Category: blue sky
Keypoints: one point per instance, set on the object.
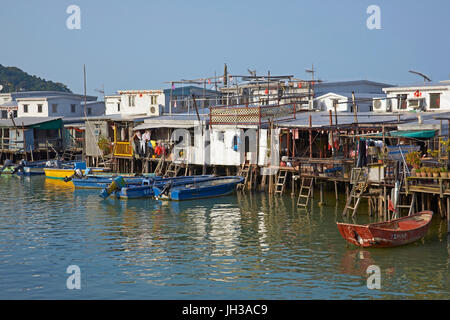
(142, 44)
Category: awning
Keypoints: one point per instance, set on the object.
(423, 134)
(49, 125)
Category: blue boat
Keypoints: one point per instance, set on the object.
(213, 187)
(145, 190)
(104, 181)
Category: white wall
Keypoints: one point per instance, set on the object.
(444, 99)
(111, 105)
(63, 107)
(142, 103)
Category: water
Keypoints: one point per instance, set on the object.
(236, 247)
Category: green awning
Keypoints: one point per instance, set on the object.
(49, 125)
(423, 134)
(418, 134)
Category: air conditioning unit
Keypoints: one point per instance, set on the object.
(382, 105)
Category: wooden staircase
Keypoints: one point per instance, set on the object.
(305, 193)
(281, 181)
(359, 187)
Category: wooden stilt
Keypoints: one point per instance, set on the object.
(321, 202)
(448, 215)
(336, 191)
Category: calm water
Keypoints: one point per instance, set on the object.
(236, 247)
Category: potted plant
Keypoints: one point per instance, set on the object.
(416, 172)
(424, 172)
(413, 159)
(444, 172)
(435, 172)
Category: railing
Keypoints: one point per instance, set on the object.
(123, 149)
(252, 114)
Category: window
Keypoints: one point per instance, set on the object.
(401, 98)
(39, 108)
(414, 103)
(72, 108)
(118, 107)
(54, 108)
(15, 113)
(4, 114)
(89, 111)
(25, 108)
(131, 100)
(435, 100)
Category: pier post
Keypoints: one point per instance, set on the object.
(448, 215)
(336, 190)
(321, 202)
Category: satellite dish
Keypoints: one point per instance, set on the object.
(1, 87)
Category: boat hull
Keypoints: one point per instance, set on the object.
(55, 173)
(103, 182)
(204, 189)
(387, 234)
(146, 191)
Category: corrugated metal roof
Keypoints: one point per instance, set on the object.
(322, 119)
(26, 121)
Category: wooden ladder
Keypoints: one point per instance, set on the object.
(281, 181)
(359, 187)
(410, 205)
(244, 171)
(303, 199)
(159, 167)
(172, 170)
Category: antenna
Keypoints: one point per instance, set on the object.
(312, 71)
(425, 77)
(252, 72)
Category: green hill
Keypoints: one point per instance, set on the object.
(13, 79)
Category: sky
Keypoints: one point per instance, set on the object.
(146, 44)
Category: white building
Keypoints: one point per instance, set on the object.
(59, 106)
(136, 102)
(418, 98)
(329, 93)
(344, 102)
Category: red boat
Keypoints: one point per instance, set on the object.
(387, 234)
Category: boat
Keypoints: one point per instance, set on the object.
(391, 233)
(100, 181)
(145, 190)
(213, 187)
(64, 171)
(26, 168)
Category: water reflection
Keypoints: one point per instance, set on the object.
(249, 246)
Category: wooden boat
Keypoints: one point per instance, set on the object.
(145, 190)
(100, 181)
(214, 187)
(387, 234)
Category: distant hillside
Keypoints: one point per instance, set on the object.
(13, 79)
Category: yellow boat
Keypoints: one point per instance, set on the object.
(55, 173)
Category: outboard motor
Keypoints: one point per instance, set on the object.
(166, 189)
(20, 167)
(78, 174)
(6, 164)
(117, 183)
